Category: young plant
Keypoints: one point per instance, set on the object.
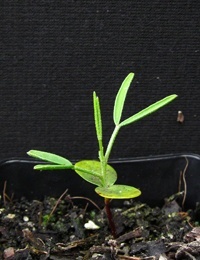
(99, 172)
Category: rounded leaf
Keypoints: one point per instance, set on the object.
(90, 170)
(118, 192)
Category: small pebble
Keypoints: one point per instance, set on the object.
(97, 256)
(10, 216)
(2, 210)
(9, 253)
(26, 219)
(91, 225)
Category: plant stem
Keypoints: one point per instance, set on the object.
(111, 142)
(109, 216)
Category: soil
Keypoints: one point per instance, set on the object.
(55, 229)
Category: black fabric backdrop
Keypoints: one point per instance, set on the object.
(53, 54)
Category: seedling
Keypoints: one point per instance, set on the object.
(99, 172)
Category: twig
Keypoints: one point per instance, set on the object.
(85, 198)
(5, 196)
(4, 192)
(180, 181)
(103, 249)
(58, 201)
(124, 257)
(184, 182)
(132, 234)
(84, 210)
(182, 178)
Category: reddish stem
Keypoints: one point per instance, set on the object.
(110, 217)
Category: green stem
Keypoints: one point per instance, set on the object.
(102, 159)
(111, 142)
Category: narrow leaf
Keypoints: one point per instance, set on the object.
(150, 109)
(97, 116)
(49, 157)
(118, 192)
(120, 98)
(46, 167)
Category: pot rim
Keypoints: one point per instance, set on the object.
(116, 160)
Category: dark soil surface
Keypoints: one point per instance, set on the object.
(28, 230)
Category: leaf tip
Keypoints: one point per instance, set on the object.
(29, 152)
(131, 75)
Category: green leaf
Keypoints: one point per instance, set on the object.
(111, 175)
(90, 171)
(97, 116)
(46, 167)
(118, 192)
(50, 157)
(150, 109)
(120, 98)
